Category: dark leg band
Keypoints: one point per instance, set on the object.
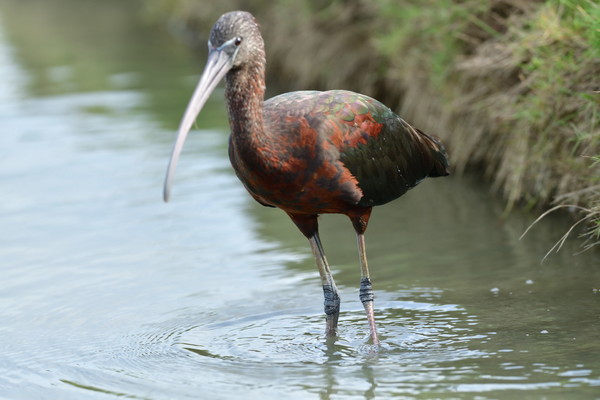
(366, 290)
(332, 300)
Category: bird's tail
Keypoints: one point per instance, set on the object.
(441, 164)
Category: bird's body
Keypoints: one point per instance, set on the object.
(329, 152)
(310, 152)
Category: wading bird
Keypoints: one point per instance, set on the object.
(309, 152)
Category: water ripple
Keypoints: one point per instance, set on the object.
(296, 336)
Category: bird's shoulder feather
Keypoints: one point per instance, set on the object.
(369, 148)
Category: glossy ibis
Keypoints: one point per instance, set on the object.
(309, 152)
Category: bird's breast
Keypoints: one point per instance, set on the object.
(294, 170)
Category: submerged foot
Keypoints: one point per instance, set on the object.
(371, 318)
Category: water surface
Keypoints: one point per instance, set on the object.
(107, 292)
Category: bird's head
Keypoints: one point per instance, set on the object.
(237, 35)
(234, 42)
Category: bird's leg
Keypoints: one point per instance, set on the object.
(332, 298)
(366, 290)
(360, 221)
(308, 225)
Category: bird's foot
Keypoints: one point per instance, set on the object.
(371, 318)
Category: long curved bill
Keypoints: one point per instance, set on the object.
(219, 62)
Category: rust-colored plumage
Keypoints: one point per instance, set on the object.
(310, 152)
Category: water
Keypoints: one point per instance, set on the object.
(107, 292)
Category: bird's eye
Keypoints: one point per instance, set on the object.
(237, 41)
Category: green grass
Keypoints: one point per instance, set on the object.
(529, 78)
(562, 52)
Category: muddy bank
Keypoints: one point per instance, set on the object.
(510, 85)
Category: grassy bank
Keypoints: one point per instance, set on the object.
(510, 85)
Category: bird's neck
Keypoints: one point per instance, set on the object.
(244, 92)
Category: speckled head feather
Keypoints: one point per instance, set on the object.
(242, 25)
